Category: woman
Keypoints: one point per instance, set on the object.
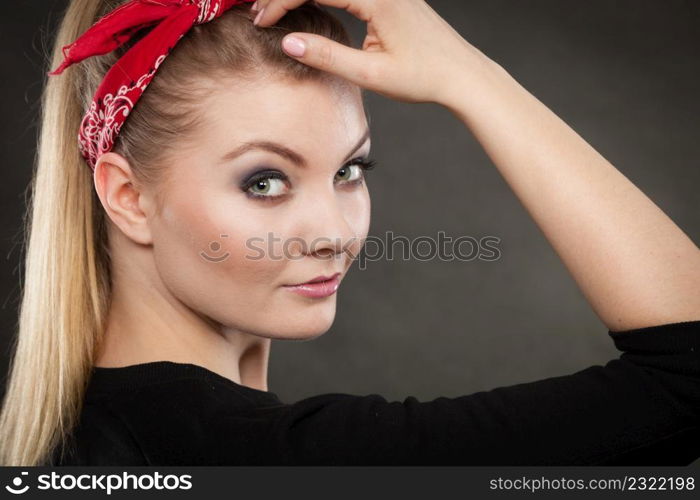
(153, 286)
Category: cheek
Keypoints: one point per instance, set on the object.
(202, 249)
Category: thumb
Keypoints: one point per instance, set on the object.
(327, 55)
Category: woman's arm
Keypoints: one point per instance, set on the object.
(634, 265)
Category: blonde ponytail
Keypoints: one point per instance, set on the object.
(63, 297)
(66, 294)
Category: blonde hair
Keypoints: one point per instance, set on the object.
(66, 293)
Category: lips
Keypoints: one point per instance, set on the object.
(318, 287)
(318, 279)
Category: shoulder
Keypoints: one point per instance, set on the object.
(180, 421)
(183, 415)
(100, 438)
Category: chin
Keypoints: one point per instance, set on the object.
(302, 336)
(306, 325)
(311, 331)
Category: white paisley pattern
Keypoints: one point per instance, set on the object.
(101, 125)
(207, 11)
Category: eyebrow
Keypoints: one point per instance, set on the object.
(284, 151)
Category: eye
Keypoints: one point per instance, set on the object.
(266, 185)
(353, 172)
(349, 173)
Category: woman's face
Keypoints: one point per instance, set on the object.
(272, 195)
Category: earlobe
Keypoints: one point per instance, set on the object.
(121, 197)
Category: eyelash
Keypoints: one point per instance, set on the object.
(365, 165)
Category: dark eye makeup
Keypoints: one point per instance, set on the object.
(262, 178)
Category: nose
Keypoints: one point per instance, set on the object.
(329, 227)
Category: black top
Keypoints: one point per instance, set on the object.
(641, 408)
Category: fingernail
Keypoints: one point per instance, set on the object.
(294, 46)
(255, 6)
(258, 17)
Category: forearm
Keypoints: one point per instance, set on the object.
(633, 264)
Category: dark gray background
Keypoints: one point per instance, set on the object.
(623, 74)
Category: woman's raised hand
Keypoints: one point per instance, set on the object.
(409, 54)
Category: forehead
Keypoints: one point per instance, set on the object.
(301, 113)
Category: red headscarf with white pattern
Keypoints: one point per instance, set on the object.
(126, 81)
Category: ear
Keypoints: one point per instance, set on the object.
(126, 204)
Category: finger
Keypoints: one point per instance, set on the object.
(357, 66)
(274, 10)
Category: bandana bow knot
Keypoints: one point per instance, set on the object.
(126, 81)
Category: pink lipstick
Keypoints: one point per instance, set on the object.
(319, 287)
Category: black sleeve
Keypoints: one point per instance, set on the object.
(100, 438)
(640, 408)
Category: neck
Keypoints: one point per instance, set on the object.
(146, 323)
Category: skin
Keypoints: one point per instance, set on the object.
(170, 301)
(635, 267)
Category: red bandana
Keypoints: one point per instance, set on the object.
(126, 81)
